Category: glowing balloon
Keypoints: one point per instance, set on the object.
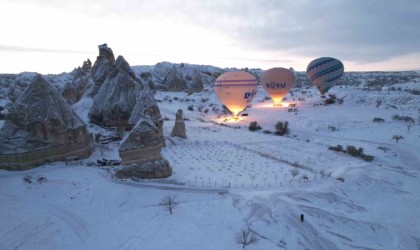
(323, 72)
(236, 89)
(277, 82)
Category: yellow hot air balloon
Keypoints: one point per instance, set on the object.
(277, 82)
(235, 90)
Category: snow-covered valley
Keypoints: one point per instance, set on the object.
(227, 178)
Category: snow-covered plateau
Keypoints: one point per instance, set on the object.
(227, 178)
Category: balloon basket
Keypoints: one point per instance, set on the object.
(231, 119)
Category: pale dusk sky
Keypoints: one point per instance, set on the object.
(50, 36)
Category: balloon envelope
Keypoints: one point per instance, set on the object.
(277, 82)
(236, 89)
(324, 71)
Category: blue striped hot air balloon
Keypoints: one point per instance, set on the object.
(324, 71)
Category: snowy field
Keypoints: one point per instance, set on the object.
(227, 178)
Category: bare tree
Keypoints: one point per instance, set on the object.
(169, 202)
(397, 138)
(246, 237)
(102, 148)
(294, 172)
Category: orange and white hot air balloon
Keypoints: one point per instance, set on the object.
(277, 82)
(235, 90)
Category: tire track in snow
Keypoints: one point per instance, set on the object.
(46, 209)
(77, 225)
(134, 241)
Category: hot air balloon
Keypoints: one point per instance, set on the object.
(324, 71)
(277, 82)
(235, 90)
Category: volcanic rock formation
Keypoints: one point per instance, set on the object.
(81, 84)
(179, 127)
(174, 81)
(40, 127)
(196, 84)
(116, 97)
(146, 79)
(140, 152)
(102, 66)
(146, 106)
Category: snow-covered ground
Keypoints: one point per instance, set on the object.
(227, 178)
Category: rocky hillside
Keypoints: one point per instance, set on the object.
(158, 76)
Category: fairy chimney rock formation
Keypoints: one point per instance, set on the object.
(179, 127)
(40, 127)
(146, 106)
(82, 83)
(140, 152)
(116, 98)
(87, 66)
(174, 80)
(196, 84)
(102, 66)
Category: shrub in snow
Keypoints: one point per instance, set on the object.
(367, 158)
(27, 179)
(397, 138)
(332, 99)
(41, 179)
(246, 237)
(191, 108)
(282, 128)
(407, 119)
(329, 101)
(353, 151)
(340, 179)
(337, 148)
(332, 128)
(253, 126)
(378, 120)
